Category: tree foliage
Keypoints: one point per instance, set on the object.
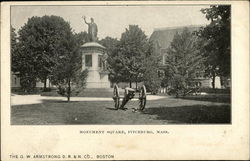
(216, 39)
(151, 78)
(47, 48)
(41, 40)
(67, 73)
(81, 37)
(183, 62)
(110, 44)
(14, 55)
(20, 65)
(127, 62)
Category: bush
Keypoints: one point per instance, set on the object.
(46, 90)
(153, 84)
(28, 84)
(179, 86)
(62, 90)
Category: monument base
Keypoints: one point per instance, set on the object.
(92, 60)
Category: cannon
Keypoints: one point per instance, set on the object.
(129, 94)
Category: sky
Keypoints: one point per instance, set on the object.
(113, 20)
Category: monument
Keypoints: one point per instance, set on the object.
(94, 58)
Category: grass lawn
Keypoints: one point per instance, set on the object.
(162, 111)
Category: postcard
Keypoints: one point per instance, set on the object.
(131, 80)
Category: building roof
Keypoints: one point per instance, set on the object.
(92, 44)
(164, 36)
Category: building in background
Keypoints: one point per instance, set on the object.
(15, 82)
(162, 38)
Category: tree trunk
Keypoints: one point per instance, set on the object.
(136, 85)
(45, 83)
(177, 94)
(69, 90)
(130, 84)
(213, 81)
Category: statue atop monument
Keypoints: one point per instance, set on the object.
(92, 29)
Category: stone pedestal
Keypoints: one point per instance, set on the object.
(92, 53)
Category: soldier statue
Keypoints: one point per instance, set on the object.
(92, 29)
(104, 61)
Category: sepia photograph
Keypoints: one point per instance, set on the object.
(125, 80)
(121, 64)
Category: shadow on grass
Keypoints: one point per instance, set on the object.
(197, 114)
(210, 98)
(57, 101)
(108, 108)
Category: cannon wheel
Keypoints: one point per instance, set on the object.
(116, 97)
(142, 98)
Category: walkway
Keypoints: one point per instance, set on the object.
(37, 99)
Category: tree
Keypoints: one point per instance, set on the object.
(27, 80)
(151, 78)
(67, 73)
(216, 38)
(21, 64)
(128, 59)
(40, 43)
(111, 45)
(13, 37)
(183, 62)
(81, 37)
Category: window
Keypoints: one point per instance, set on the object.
(88, 60)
